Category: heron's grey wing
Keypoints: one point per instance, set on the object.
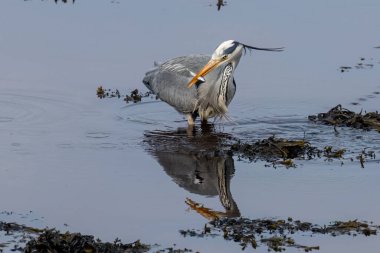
(169, 81)
(187, 66)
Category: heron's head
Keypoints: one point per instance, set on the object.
(228, 51)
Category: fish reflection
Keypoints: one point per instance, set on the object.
(195, 163)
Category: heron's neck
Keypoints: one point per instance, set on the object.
(226, 75)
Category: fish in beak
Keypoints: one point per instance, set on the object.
(212, 64)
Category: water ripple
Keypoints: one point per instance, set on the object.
(28, 110)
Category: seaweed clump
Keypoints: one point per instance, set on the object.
(134, 96)
(279, 151)
(352, 227)
(254, 233)
(18, 234)
(339, 116)
(276, 234)
(272, 149)
(330, 152)
(34, 240)
(54, 241)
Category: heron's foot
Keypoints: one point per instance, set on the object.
(204, 211)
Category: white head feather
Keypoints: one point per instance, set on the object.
(219, 51)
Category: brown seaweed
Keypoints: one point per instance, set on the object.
(275, 150)
(134, 96)
(276, 234)
(339, 116)
(55, 241)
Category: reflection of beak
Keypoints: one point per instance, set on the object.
(212, 64)
(204, 211)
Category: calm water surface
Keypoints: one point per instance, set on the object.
(116, 170)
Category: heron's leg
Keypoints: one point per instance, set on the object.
(204, 122)
(190, 119)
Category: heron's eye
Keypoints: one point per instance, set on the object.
(224, 57)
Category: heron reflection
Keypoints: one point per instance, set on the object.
(195, 164)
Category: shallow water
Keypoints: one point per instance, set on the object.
(114, 170)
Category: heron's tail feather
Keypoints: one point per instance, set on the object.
(148, 78)
(157, 63)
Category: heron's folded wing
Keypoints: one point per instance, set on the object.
(169, 81)
(186, 66)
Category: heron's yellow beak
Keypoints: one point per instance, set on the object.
(212, 64)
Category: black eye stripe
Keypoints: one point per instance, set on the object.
(231, 48)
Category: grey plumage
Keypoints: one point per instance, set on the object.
(173, 81)
(169, 81)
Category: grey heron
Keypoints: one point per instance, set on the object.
(199, 85)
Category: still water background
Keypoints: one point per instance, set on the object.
(74, 159)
